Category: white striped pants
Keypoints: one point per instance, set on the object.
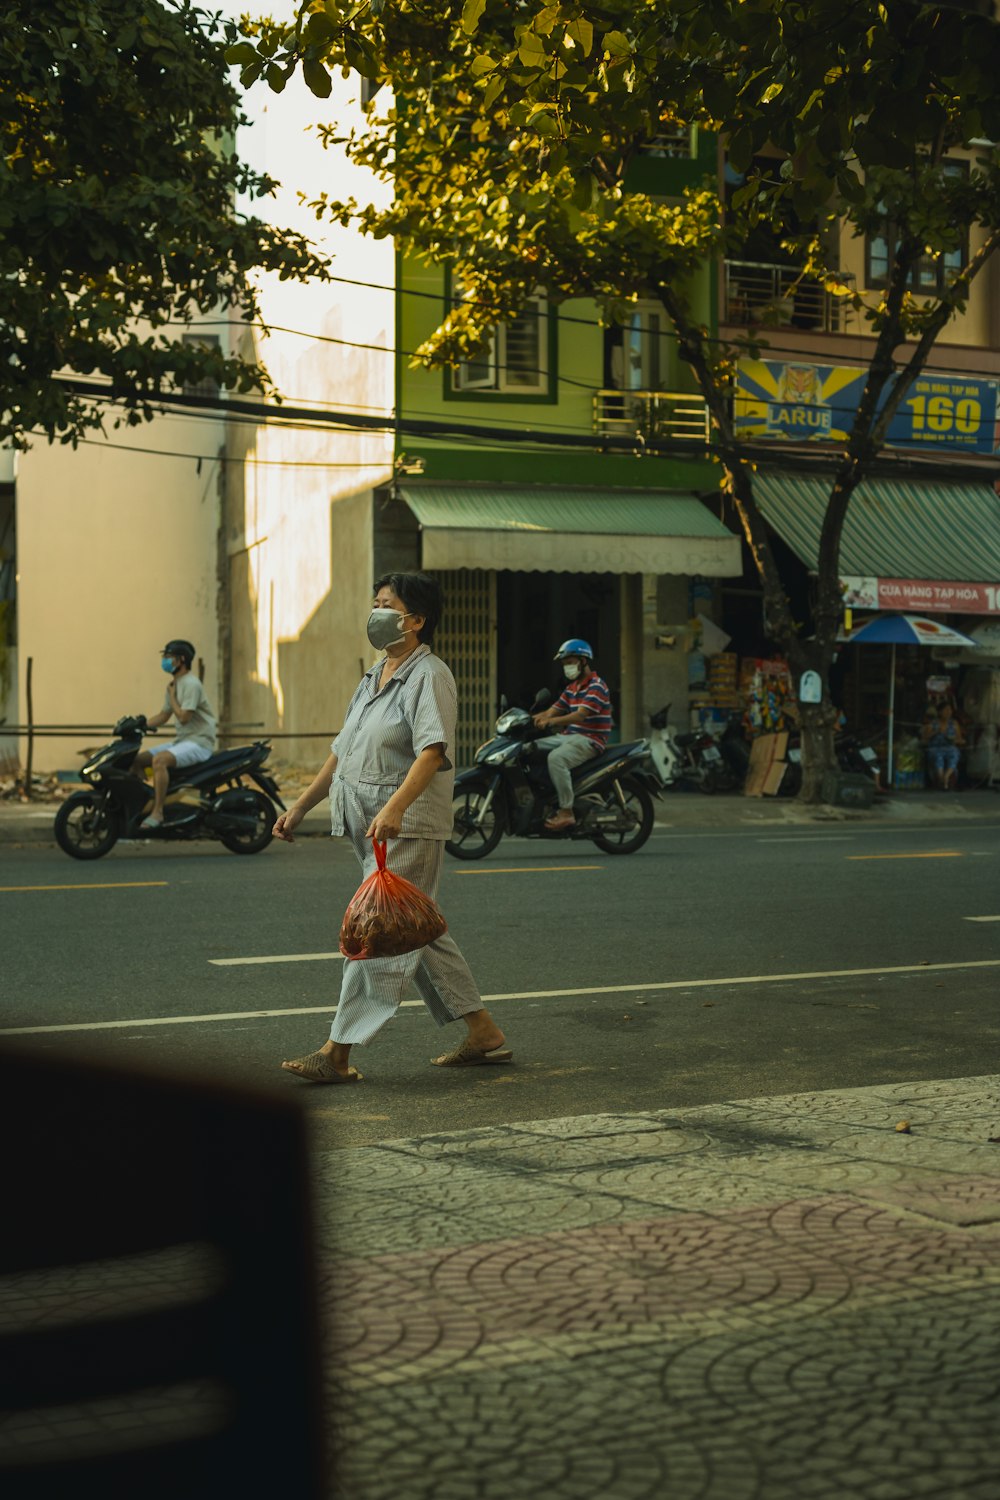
(372, 988)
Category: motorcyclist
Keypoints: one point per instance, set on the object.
(194, 739)
(582, 717)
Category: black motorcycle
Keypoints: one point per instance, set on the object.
(852, 754)
(508, 791)
(696, 757)
(208, 801)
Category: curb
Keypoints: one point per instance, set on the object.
(32, 823)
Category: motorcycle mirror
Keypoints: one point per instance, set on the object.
(542, 700)
(504, 705)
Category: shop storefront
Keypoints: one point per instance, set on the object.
(924, 550)
(525, 567)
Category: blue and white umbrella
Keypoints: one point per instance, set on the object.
(903, 630)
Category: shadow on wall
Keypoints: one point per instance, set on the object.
(248, 699)
(312, 674)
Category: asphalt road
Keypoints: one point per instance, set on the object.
(641, 983)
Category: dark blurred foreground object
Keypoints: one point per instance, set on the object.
(158, 1320)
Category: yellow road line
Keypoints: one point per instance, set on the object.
(528, 870)
(95, 885)
(937, 854)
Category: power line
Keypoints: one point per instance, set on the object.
(768, 347)
(213, 458)
(783, 456)
(287, 416)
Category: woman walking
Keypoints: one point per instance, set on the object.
(389, 777)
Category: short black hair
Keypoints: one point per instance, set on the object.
(422, 596)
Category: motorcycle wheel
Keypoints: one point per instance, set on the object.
(84, 828)
(791, 782)
(718, 780)
(253, 842)
(639, 802)
(471, 840)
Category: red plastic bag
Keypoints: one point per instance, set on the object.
(388, 915)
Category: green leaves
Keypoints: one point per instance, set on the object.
(241, 52)
(317, 79)
(360, 54)
(615, 44)
(472, 12)
(532, 51)
(106, 231)
(581, 33)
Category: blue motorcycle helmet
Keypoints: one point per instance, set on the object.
(574, 647)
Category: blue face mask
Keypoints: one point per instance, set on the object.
(167, 663)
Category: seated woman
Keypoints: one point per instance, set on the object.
(943, 737)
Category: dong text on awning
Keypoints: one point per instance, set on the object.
(527, 529)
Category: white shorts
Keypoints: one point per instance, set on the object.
(185, 752)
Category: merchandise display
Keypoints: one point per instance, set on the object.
(766, 685)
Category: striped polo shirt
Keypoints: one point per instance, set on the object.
(592, 693)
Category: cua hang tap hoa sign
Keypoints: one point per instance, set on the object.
(800, 402)
(926, 595)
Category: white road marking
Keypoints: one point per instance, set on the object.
(982, 919)
(603, 989)
(811, 838)
(274, 958)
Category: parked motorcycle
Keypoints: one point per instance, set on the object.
(853, 756)
(697, 757)
(508, 791)
(208, 801)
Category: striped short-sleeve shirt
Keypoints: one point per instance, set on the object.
(590, 693)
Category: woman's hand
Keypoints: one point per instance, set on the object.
(287, 823)
(387, 823)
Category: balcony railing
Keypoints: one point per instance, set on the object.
(651, 415)
(759, 295)
(678, 144)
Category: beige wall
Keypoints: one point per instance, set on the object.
(116, 554)
(664, 669)
(298, 533)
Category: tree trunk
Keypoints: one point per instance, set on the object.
(818, 721)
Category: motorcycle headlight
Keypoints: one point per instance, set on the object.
(497, 758)
(510, 718)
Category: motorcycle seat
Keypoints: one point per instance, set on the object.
(607, 757)
(222, 760)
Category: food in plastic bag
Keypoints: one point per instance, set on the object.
(388, 915)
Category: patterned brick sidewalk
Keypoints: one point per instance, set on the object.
(776, 1298)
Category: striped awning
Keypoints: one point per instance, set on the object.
(545, 529)
(894, 528)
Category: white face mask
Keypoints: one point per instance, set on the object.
(571, 669)
(385, 627)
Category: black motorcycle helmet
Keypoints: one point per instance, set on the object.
(183, 649)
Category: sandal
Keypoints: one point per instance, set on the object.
(467, 1055)
(317, 1068)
